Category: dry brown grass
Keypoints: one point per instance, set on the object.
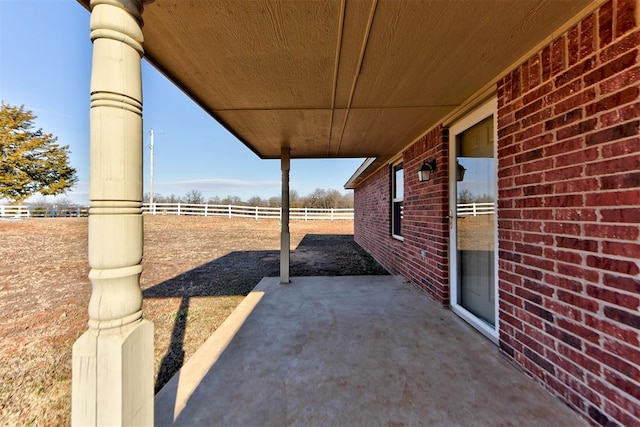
(196, 271)
(476, 233)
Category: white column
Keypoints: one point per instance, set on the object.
(113, 360)
(285, 238)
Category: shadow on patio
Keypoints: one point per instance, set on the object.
(239, 272)
(366, 350)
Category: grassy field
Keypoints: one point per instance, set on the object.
(196, 271)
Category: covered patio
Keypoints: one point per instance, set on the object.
(293, 80)
(351, 350)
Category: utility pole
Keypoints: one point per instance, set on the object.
(153, 210)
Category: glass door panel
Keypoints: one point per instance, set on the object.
(475, 220)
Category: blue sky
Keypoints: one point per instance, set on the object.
(45, 65)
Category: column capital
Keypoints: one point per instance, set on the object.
(134, 7)
(119, 20)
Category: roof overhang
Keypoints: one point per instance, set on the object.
(337, 78)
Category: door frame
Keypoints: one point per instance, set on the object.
(477, 115)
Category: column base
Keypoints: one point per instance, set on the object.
(112, 382)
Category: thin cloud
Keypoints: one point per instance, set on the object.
(217, 184)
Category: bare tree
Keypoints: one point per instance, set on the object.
(465, 196)
(275, 202)
(194, 197)
(256, 201)
(170, 199)
(232, 200)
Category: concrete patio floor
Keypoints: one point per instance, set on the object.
(346, 351)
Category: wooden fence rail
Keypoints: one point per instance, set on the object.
(475, 209)
(256, 212)
(25, 211)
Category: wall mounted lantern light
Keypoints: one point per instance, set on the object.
(424, 173)
(460, 170)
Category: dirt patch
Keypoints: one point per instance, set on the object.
(196, 271)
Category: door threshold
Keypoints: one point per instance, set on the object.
(480, 325)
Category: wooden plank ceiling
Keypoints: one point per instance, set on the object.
(336, 78)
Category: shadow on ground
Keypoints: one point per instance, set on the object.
(239, 272)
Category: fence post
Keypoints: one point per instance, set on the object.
(178, 208)
(306, 214)
(1, 210)
(256, 212)
(229, 207)
(475, 212)
(331, 214)
(206, 208)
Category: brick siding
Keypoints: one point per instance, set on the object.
(424, 225)
(569, 196)
(569, 216)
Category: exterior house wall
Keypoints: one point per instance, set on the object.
(569, 178)
(568, 215)
(424, 225)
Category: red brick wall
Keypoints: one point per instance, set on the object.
(569, 215)
(424, 225)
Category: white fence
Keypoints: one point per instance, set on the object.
(10, 211)
(475, 209)
(256, 212)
